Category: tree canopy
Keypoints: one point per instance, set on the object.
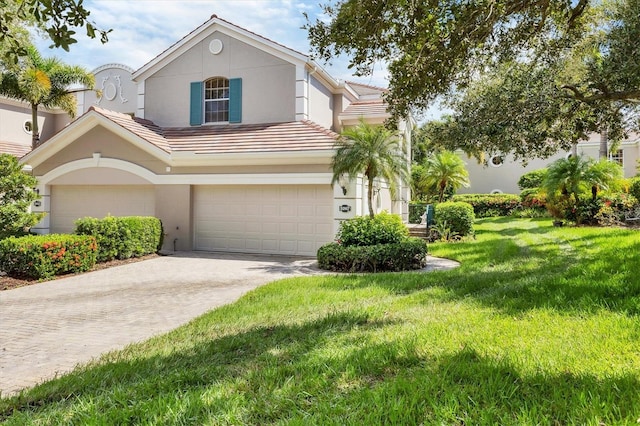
(44, 81)
(59, 19)
(432, 48)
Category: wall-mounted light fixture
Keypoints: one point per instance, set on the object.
(343, 182)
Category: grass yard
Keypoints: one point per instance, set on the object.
(540, 325)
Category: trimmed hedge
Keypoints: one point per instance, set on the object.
(122, 237)
(383, 228)
(402, 256)
(532, 179)
(44, 256)
(458, 216)
(490, 205)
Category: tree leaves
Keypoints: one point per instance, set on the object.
(59, 18)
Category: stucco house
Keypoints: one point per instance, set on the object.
(16, 126)
(500, 174)
(226, 136)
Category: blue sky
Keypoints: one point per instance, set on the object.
(143, 29)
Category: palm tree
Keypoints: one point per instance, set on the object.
(374, 151)
(46, 82)
(575, 175)
(444, 169)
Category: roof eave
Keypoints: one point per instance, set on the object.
(81, 126)
(190, 159)
(208, 28)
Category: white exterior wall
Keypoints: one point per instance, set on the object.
(486, 179)
(119, 92)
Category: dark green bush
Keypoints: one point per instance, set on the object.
(44, 256)
(458, 216)
(384, 228)
(411, 253)
(634, 189)
(122, 237)
(490, 205)
(532, 179)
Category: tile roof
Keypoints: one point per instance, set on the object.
(145, 129)
(223, 139)
(365, 108)
(245, 138)
(15, 149)
(366, 89)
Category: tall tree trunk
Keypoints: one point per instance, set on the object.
(35, 134)
(574, 150)
(603, 153)
(370, 197)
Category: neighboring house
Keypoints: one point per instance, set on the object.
(15, 125)
(226, 136)
(501, 173)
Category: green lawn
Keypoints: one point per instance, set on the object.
(540, 325)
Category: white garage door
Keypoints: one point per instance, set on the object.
(69, 203)
(278, 219)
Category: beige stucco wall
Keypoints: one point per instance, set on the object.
(176, 222)
(268, 83)
(13, 117)
(100, 140)
(321, 104)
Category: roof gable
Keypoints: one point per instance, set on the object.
(205, 30)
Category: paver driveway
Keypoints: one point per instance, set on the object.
(48, 328)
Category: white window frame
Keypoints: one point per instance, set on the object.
(216, 95)
(617, 157)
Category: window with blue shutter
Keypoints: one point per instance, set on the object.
(217, 100)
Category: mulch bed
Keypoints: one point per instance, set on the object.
(8, 283)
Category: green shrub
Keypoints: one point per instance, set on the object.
(533, 179)
(409, 254)
(416, 210)
(122, 237)
(634, 189)
(383, 228)
(458, 215)
(490, 205)
(44, 256)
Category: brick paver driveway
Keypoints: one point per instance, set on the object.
(48, 328)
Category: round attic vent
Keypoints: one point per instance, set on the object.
(215, 46)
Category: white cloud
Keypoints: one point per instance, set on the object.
(143, 29)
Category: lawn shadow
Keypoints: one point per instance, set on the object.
(517, 269)
(258, 357)
(267, 375)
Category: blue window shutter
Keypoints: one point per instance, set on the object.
(235, 100)
(195, 115)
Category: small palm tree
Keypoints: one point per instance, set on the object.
(46, 82)
(374, 151)
(444, 169)
(577, 174)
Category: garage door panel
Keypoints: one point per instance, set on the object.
(275, 218)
